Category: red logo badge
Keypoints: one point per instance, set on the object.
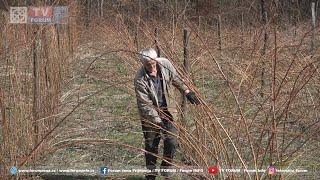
(213, 169)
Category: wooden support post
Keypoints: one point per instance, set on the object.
(5, 119)
(174, 24)
(263, 53)
(136, 32)
(185, 50)
(156, 41)
(199, 25)
(88, 12)
(186, 69)
(313, 12)
(219, 33)
(101, 8)
(185, 159)
(147, 9)
(36, 88)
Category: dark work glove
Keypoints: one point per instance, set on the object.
(191, 96)
(161, 124)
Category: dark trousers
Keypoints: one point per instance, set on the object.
(152, 136)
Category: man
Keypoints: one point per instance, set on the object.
(156, 103)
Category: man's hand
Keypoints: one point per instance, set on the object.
(159, 122)
(191, 96)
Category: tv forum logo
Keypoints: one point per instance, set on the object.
(39, 15)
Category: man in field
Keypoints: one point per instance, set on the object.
(156, 102)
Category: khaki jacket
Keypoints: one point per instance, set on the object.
(147, 99)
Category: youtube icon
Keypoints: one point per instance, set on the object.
(213, 169)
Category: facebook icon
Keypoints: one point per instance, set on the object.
(104, 170)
